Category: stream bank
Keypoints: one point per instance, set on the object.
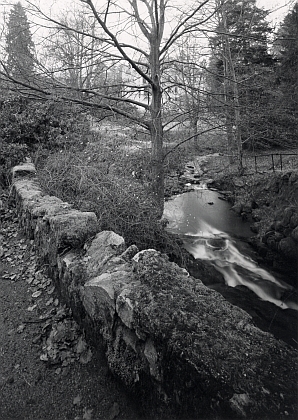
(258, 205)
(270, 203)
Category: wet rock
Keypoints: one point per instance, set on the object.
(288, 248)
(238, 182)
(295, 234)
(287, 214)
(246, 208)
(267, 235)
(287, 231)
(237, 208)
(271, 242)
(294, 220)
(279, 226)
(255, 227)
(278, 236)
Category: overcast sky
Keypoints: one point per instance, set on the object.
(279, 8)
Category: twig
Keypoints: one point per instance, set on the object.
(37, 321)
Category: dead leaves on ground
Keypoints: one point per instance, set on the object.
(61, 341)
(63, 344)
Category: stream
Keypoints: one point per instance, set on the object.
(211, 231)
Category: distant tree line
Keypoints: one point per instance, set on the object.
(254, 86)
(245, 80)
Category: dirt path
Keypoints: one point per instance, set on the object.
(47, 370)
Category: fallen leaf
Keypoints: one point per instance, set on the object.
(77, 400)
(60, 313)
(51, 290)
(81, 345)
(56, 302)
(47, 326)
(21, 328)
(31, 308)
(114, 411)
(44, 357)
(49, 302)
(36, 339)
(36, 294)
(86, 357)
(30, 280)
(87, 414)
(58, 371)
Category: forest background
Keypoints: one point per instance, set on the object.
(173, 80)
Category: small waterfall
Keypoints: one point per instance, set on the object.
(237, 269)
(202, 228)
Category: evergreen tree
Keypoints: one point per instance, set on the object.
(241, 37)
(19, 44)
(287, 42)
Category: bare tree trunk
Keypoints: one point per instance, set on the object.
(157, 159)
(238, 126)
(156, 128)
(233, 116)
(227, 102)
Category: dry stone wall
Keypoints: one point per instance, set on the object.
(177, 345)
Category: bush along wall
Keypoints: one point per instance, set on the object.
(179, 347)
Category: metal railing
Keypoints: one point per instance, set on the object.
(276, 160)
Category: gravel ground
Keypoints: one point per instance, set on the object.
(47, 370)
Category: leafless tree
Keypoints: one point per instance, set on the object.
(186, 86)
(140, 34)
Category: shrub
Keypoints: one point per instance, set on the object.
(34, 123)
(36, 128)
(121, 203)
(10, 155)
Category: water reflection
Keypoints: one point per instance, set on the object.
(195, 210)
(205, 224)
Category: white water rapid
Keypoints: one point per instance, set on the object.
(191, 218)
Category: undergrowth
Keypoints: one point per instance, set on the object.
(102, 182)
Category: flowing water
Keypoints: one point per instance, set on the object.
(211, 231)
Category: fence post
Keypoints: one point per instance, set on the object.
(272, 158)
